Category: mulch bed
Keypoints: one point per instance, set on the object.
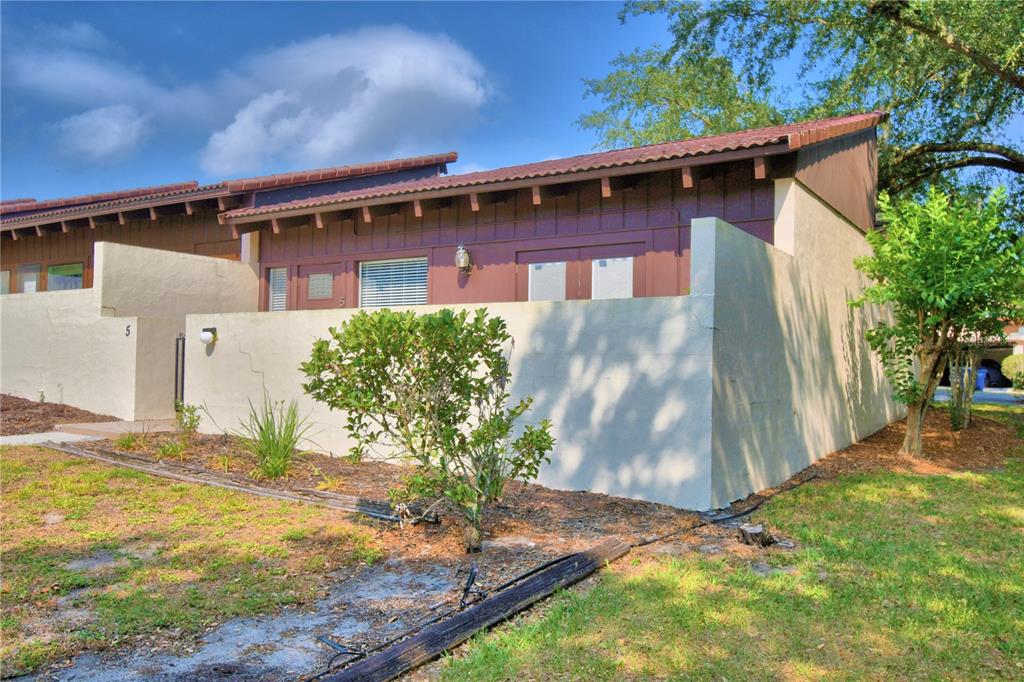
(19, 416)
(534, 523)
(531, 525)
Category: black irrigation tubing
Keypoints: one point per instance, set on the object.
(479, 595)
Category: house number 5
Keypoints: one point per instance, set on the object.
(128, 330)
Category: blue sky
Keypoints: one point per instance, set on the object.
(99, 96)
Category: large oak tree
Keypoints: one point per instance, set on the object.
(951, 74)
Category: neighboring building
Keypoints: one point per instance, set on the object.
(48, 245)
(679, 310)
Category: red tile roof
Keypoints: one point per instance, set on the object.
(795, 135)
(96, 198)
(338, 172)
(58, 207)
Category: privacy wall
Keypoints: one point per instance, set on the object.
(626, 384)
(110, 349)
(693, 400)
(794, 378)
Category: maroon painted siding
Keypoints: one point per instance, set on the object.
(199, 233)
(844, 173)
(649, 221)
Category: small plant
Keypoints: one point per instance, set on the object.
(435, 388)
(172, 448)
(328, 482)
(128, 441)
(271, 434)
(224, 463)
(187, 418)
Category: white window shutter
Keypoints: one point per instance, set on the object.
(547, 281)
(612, 278)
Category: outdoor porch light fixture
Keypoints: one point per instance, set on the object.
(462, 260)
(208, 335)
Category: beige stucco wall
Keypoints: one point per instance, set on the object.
(132, 280)
(57, 342)
(110, 349)
(626, 383)
(793, 377)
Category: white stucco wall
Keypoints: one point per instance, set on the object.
(56, 342)
(132, 280)
(626, 383)
(794, 378)
(110, 349)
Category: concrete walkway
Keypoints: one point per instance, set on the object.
(52, 436)
(118, 429)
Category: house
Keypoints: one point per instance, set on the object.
(181, 217)
(679, 310)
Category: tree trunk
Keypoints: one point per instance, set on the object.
(928, 375)
(472, 537)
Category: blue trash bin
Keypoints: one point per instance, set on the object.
(979, 382)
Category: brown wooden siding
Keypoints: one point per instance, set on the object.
(199, 233)
(649, 220)
(844, 173)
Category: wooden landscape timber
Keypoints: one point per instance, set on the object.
(435, 639)
(190, 474)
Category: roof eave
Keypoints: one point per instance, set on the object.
(505, 185)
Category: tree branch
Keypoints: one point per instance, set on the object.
(953, 164)
(1007, 153)
(943, 36)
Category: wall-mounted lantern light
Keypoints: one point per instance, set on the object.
(208, 335)
(462, 260)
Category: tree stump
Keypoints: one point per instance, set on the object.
(755, 534)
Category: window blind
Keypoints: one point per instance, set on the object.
(278, 289)
(393, 282)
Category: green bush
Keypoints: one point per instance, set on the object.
(1013, 366)
(271, 434)
(432, 388)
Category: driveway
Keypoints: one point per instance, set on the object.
(995, 396)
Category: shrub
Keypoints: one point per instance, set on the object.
(271, 434)
(187, 418)
(432, 388)
(1013, 369)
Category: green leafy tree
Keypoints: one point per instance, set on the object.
(948, 269)
(950, 72)
(432, 388)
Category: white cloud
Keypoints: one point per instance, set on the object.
(77, 34)
(102, 134)
(333, 99)
(329, 100)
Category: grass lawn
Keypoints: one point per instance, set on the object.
(95, 556)
(896, 576)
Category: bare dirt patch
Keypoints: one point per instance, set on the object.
(19, 416)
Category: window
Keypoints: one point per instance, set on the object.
(320, 286)
(612, 278)
(5, 281)
(60, 277)
(547, 281)
(278, 289)
(393, 282)
(28, 279)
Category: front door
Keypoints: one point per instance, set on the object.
(321, 286)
